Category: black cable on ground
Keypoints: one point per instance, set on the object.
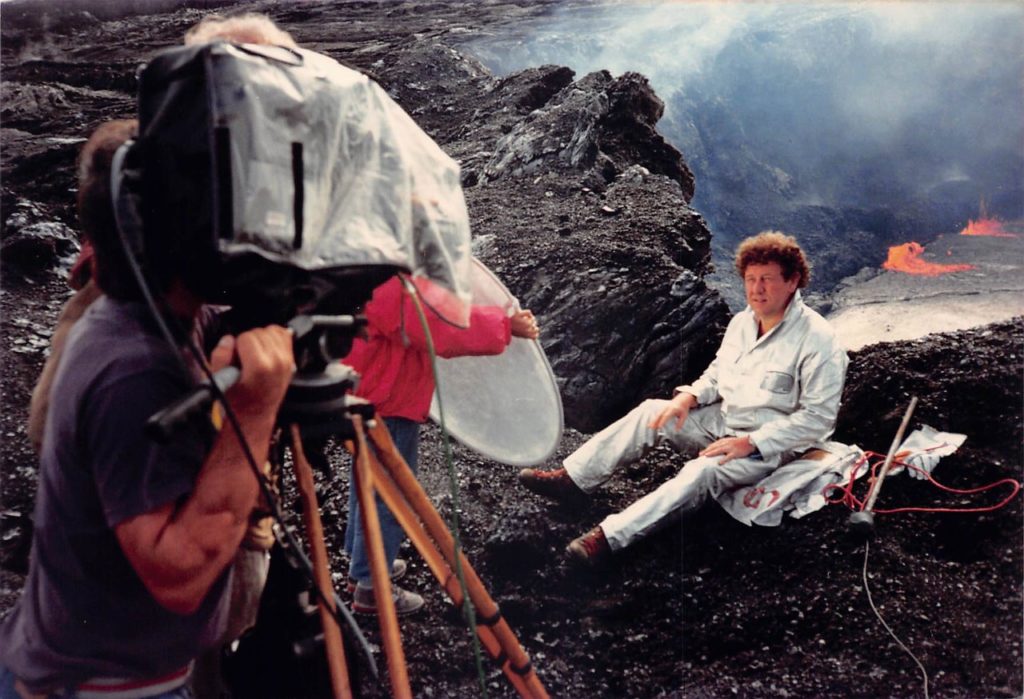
(924, 673)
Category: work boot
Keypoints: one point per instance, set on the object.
(398, 569)
(591, 549)
(406, 602)
(556, 484)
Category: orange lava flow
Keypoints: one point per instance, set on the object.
(987, 226)
(907, 258)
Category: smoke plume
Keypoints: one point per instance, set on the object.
(861, 121)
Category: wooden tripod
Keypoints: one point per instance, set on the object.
(383, 471)
(336, 665)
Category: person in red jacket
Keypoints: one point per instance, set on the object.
(394, 363)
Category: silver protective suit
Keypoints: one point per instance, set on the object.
(782, 389)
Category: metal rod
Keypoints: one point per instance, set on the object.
(877, 485)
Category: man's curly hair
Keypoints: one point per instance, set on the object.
(774, 246)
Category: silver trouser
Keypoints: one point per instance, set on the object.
(628, 439)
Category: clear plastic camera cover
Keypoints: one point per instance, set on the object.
(376, 190)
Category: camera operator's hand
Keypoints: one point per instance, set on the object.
(524, 324)
(679, 408)
(267, 364)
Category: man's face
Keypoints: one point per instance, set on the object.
(768, 293)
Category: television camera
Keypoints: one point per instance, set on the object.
(287, 187)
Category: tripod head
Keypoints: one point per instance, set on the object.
(318, 398)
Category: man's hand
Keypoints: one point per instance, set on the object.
(524, 324)
(265, 358)
(730, 448)
(679, 408)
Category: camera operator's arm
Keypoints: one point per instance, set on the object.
(180, 549)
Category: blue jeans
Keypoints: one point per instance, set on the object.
(7, 690)
(406, 436)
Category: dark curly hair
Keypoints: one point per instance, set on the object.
(774, 246)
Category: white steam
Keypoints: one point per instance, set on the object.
(895, 93)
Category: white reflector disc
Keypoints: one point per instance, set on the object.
(507, 406)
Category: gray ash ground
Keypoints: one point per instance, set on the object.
(708, 608)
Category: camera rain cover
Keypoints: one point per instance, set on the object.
(505, 406)
(288, 155)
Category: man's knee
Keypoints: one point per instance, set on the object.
(736, 473)
(703, 465)
(638, 420)
(689, 487)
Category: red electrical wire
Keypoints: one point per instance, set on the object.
(849, 499)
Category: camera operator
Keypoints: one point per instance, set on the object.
(250, 566)
(128, 579)
(397, 378)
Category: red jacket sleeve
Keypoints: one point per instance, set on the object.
(393, 312)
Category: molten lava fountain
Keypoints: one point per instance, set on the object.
(992, 227)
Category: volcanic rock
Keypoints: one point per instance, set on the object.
(598, 122)
(32, 243)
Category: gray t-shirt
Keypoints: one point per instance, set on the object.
(84, 612)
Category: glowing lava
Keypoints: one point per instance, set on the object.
(987, 226)
(907, 258)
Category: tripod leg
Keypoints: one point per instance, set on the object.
(396, 502)
(318, 551)
(364, 482)
(419, 502)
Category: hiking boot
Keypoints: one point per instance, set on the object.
(590, 549)
(398, 569)
(556, 484)
(406, 602)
